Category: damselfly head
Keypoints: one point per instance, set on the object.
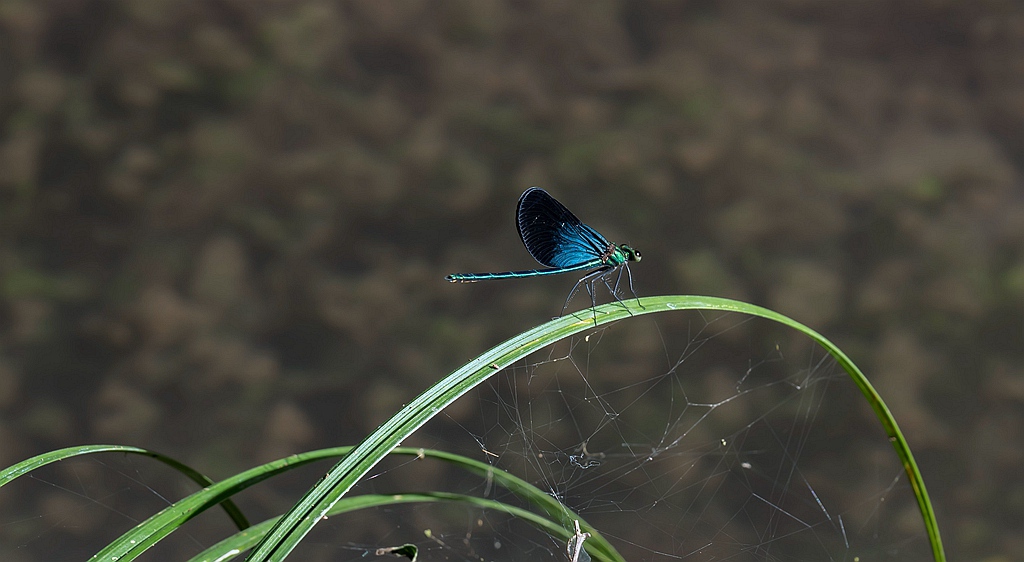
(631, 254)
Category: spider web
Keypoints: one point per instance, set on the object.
(725, 439)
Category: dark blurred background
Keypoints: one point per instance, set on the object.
(224, 225)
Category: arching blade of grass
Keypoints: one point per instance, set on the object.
(318, 502)
(238, 543)
(144, 535)
(24, 467)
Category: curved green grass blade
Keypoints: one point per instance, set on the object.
(238, 543)
(24, 467)
(597, 545)
(147, 533)
(317, 503)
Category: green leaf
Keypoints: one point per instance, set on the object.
(24, 467)
(319, 501)
(147, 533)
(231, 547)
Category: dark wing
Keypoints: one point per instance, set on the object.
(553, 235)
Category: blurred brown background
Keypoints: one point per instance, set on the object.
(224, 225)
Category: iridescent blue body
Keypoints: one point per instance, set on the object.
(558, 240)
